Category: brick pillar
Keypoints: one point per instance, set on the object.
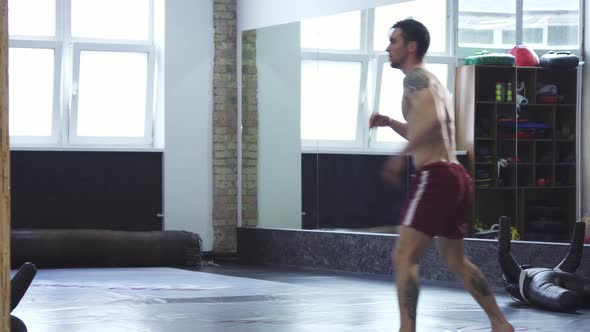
(249, 130)
(225, 152)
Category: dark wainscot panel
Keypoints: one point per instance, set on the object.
(86, 190)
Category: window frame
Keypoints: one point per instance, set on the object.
(147, 139)
(67, 50)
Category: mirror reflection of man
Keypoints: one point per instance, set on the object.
(442, 190)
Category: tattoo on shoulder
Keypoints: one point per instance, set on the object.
(411, 298)
(416, 79)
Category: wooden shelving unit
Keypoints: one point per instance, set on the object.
(522, 157)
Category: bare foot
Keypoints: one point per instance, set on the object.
(503, 328)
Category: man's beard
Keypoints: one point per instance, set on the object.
(397, 64)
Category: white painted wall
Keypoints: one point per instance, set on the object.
(253, 14)
(188, 122)
(278, 63)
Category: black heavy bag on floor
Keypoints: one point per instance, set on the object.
(19, 284)
(104, 248)
(558, 288)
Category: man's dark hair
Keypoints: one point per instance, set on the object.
(413, 30)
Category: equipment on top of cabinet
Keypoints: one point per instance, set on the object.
(524, 56)
(560, 59)
(486, 58)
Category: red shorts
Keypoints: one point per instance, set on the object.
(440, 200)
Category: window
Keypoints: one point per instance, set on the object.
(562, 36)
(27, 22)
(477, 36)
(122, 76)
(127, 20)
(559, 21)
(32, 72)
(345, 74)
(435, 19)
(508, 37)
(75, 80)
(543, 25)
(330, 93)
(333, 78)
(334, 32)
(486, 24)
(532, 36)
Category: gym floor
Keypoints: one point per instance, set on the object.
(234, 297)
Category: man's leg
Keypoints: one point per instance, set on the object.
(411, 244)
(451, 252)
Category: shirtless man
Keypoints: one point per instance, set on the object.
(441, 188)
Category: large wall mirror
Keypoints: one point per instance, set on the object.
(309, 160)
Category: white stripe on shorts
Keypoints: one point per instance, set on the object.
(412, 207)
